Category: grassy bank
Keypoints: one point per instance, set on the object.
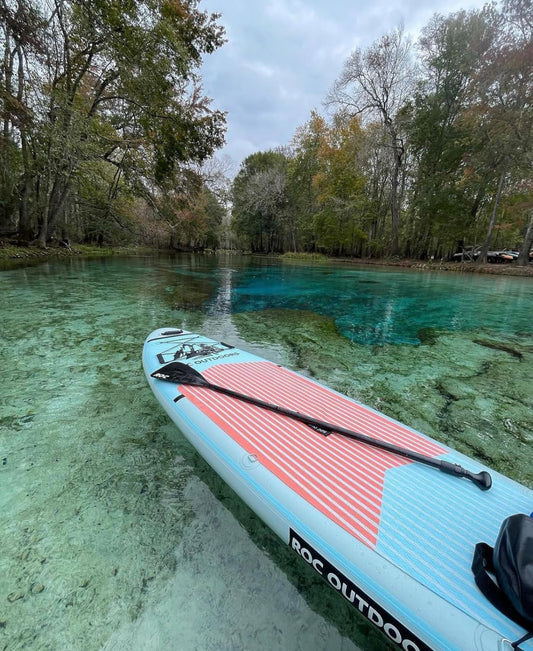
(429, 265)
(12, 256)
(509, 269)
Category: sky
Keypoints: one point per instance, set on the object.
(282, 57)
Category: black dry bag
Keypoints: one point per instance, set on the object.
(511, 562)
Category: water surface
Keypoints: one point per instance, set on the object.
(116, 535)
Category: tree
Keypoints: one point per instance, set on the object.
(22, 40)
(260, 201)
(527, 243)
(499, 114)
(303, 166)
(507, 104)
(448, 189)
(114, 82)
(376, 170)
(405, 167)
(376, 82)
(341, 189)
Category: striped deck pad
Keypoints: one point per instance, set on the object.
(342, 478)
(431, 524)
(420, 519)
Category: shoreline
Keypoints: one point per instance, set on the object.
(13, 257)
(506, 269)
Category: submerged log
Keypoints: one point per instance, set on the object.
(498, 346)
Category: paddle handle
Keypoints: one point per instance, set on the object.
(482, 479)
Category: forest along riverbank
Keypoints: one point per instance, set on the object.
(12, 257)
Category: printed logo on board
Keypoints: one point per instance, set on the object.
(189, 348)
(393, 629)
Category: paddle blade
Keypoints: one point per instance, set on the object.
(179, 373)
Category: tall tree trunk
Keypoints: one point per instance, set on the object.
(398, 152)
(54, 210)
(25, 229)
(52, 199)
(486, 245)
(523, 257)
(395, 211)
(7, 80)
(58, 209)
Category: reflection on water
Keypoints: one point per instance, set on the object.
(116, 535)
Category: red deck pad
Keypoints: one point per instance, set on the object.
(339, 476)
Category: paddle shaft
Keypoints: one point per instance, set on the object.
(481, 479)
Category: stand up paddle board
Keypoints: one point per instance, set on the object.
(388, 517)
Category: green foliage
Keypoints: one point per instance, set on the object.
(292, 256)
(104, 127)
(302, 194)
(448, 191)
(446, 160)
(113, 108)
(259, 195)
(11, 167)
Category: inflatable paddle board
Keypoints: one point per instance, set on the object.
(391, 530)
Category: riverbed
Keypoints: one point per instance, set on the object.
(116, 535)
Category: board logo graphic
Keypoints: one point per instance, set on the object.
(393, 629)
(190, 348)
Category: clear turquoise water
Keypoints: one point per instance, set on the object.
(380, 307)
(116, 535)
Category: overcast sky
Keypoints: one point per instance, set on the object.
(282, 57)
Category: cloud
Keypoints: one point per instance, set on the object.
(283, 56)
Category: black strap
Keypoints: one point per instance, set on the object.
(527, 636)
(482, 564)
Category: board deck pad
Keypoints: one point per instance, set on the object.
(421, 521)
(341, 477)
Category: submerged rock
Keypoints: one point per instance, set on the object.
(428, 336)
(15, 596)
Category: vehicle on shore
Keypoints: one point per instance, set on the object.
(471, 254)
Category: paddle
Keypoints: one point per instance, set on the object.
(179, 373)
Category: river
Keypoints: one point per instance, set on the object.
(116, 535)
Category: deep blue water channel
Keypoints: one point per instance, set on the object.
(116, 535)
